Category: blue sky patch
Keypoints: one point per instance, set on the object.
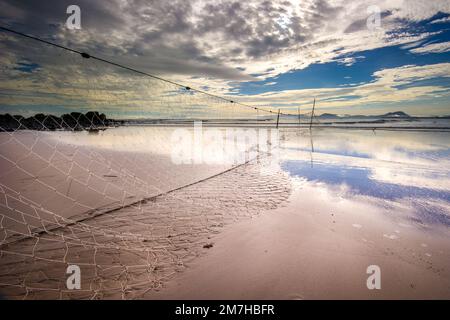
(27, 67)
(366, 63)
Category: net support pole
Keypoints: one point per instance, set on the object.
(312, 114)
(278, 118)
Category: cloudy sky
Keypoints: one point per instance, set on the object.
(354, 57)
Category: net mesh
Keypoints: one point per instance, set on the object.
(78, 186)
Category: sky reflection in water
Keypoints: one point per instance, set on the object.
(411, 167)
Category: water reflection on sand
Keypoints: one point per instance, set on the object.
(347, 199)
(387, 168)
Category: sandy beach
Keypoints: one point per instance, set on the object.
(320, 253)
(303, 222)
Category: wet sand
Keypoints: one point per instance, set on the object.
(138, 249)
(51, 179)
(302, 224)
(313, 249)
(125, 253)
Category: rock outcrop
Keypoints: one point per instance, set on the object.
(76, 121)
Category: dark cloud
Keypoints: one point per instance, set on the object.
(40, 16)
(155, 35)
(262, 30)
(165, 35)
(196, 38)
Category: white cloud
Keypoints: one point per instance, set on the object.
(433, 48)
(443, 20)
(390, 86)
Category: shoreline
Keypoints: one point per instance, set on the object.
(94, 122)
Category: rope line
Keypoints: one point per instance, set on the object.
(188, 88)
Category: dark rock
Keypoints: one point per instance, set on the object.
(76, 121)
(9, 122)
(95, 118)
(68, 121)
(52, 123)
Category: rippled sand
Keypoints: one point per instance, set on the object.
(126, 253)
(301, 223)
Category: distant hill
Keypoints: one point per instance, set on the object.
(328, 116)
(396, 114)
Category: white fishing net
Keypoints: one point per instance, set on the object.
(79, 188)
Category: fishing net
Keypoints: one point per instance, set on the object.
(88, 175)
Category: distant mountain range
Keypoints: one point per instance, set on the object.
(396, 114)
